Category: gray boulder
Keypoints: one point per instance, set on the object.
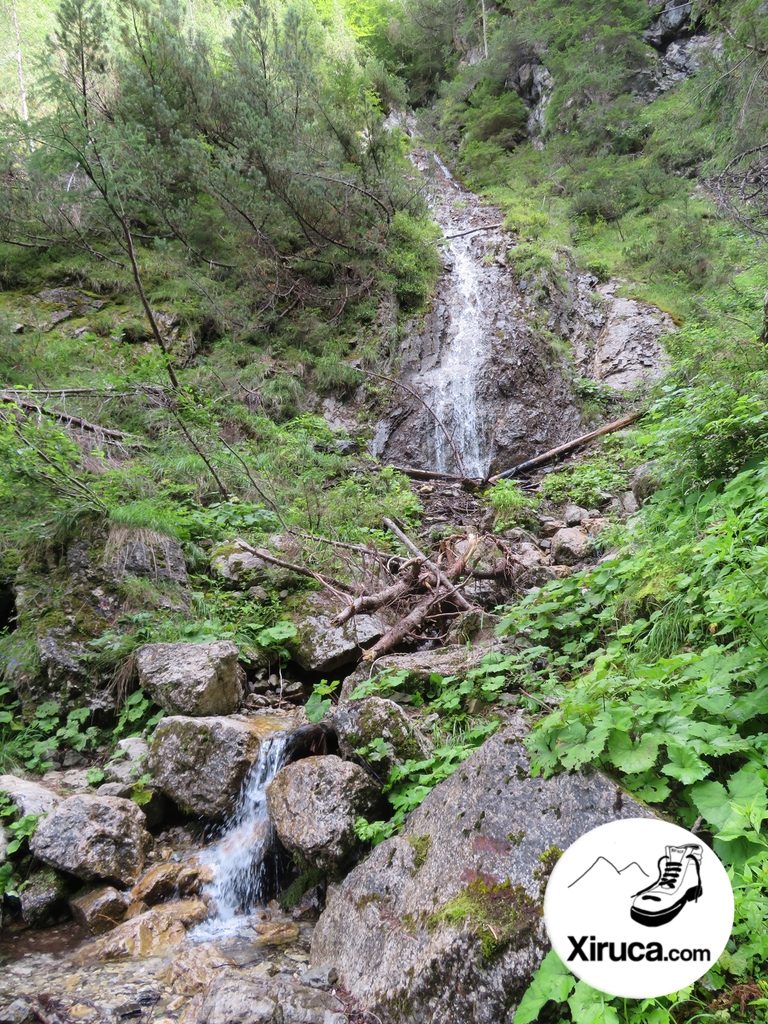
(442, 924)
(43, 901)
(29, 797)
(319, 645)
(244, 997)
(192, 679)
(573, 515)
(313, 804)
(360, 724)
(570, 545)
(94, 837)
(200, 763)
(418, 667)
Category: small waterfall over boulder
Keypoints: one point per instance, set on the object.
(245, 862)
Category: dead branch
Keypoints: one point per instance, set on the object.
(301, 570)
(413, 621)
(372, 602)
(471, 231)
(563, 449)
(69, 420)
(440, 577)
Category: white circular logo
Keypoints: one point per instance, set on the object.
(639, 908)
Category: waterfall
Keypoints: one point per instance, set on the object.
(245, 861)
(452, 386)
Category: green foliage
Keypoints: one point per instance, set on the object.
(20, 828)
(512, 505)
(585, 483)
(409, 783)
(319, 702)
(139, 714)
(412, 258)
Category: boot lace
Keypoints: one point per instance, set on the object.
(671, 871)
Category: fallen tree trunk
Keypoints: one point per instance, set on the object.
(563, 449)
(108, 433)
(471, 231)
(440, 578)
(372, 602)
(431, 474)
(412, 621)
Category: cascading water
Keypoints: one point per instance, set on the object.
(449, 362)
(452, 386)
(245, 861)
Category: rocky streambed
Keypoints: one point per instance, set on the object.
(440, 923)
(214, 875)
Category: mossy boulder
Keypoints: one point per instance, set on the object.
(314, 803)
(192, 679)
(67, 597)
(322, 646)
(94, 837)
(44, 899)
(443, 923)
(379, 731)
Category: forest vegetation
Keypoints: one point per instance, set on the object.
(221, 180)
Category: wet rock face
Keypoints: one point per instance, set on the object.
(489, 378)
(360, 724)
(94, 837)
(192, 679)
(628, 350)
(153, 933)
(313, 805)
(320, 646)
(200, 763)
(99, 910)
(443, 923)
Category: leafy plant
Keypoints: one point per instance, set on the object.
(512, 505)
(319, 701)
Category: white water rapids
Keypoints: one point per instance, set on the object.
(245, 861)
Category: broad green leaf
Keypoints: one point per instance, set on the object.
(588, 1006)
(685, 765)
(553, 981)
(629, 756)
(711, 801)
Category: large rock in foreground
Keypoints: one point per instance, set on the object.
(94, 837)
(200, 763)
(442, 924)
(192, 679)
(314, 803)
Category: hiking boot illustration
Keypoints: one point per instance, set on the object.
(679, 882)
